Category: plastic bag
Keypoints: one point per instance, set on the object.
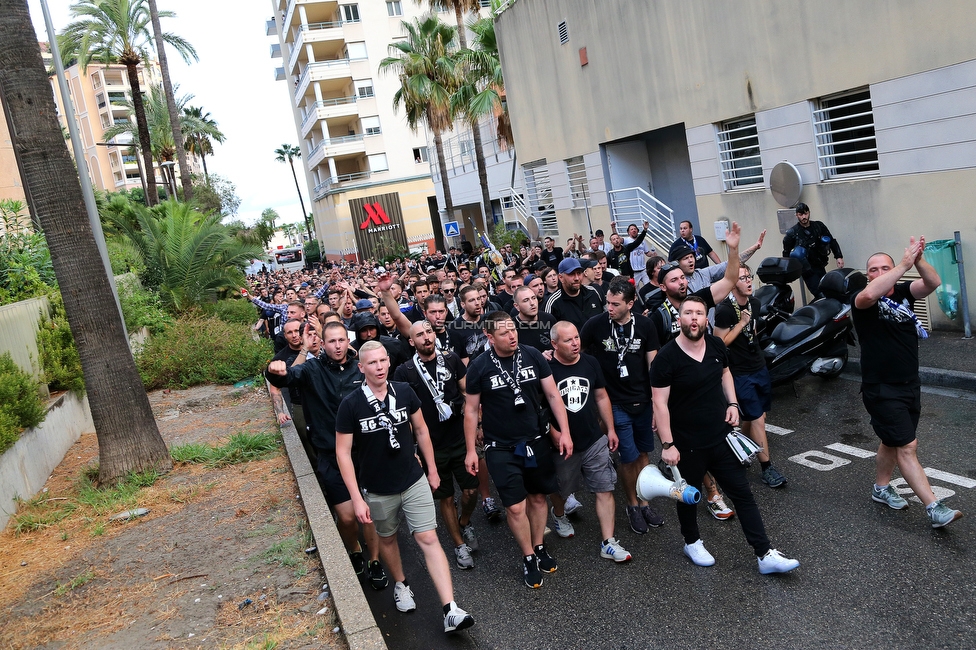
(941, 254)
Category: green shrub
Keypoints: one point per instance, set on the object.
(25, 261)
(233, 310)
(59, 358)
(20, 403)
(202, 350)
(142, 308)
(312, 252)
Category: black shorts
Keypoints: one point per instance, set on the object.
(330, 480)
(513, 480)
(894, 411)
(450, 468)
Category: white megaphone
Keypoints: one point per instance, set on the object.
(651, 483)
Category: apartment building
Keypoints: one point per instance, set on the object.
(11, 185)
(685, 109)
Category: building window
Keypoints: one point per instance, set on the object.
(466, 147)
(394, 8)
(364, 88)
(371, 125)
(100, 100)
(133, 176)
(377, 162)
(350, 13)
(356, 50)
(738, 146)
(420, 155)
(844, 127)
(486, 4)
(579, 188)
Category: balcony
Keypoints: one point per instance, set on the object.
(322, 71)
(329, 109)
(279, 74)
(332, 185)
(275, 51)
(270, 28)
(333, 148)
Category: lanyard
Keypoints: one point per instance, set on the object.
(750, 328)
(507, 378)
(623, 344)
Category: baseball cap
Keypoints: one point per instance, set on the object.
(680, 252)
(364, 304)
(571, 264)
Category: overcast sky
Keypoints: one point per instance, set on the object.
(234, 81)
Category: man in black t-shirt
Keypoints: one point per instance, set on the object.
(550, 255)
(384, 420)
(466, 332)
(534, 326)
(811, 243)
(510, 381)
(625, 344)
(735, 324)
(890, 386)
(294, 331)
(438, 379)
(582, 387)
(695, 408)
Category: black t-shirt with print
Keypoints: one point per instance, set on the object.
(467, 336)
(697, 403)
(745, 355)
(668, 328)
(382, 468)
(442, 434)
(502, 421)
(603, 339)
(535, 333)
(889, 340)
(577, 385)
(552, 259)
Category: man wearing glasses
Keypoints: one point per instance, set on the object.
(449, 291)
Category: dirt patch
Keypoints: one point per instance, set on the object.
(219, 560)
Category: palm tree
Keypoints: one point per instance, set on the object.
(128, 438)
(483, 70)
(174, 119)
(288, 153)
(428, 78)
(116, 31)
(189, 256)
(461, 7)
(199, 141)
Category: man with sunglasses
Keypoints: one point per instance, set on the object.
(449, 291)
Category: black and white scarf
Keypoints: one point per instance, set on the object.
(383, 412)
(444, 411)
(905, 312)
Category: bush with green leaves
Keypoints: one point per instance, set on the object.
(233, 310)
(60, 362)
(202, 350)
(25, 261)
(20, 403)
(141, 307)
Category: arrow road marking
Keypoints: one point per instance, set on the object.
(946, 477)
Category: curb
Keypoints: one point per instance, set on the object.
(355, 617)
(932, 376)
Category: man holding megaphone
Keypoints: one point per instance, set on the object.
(695, 409)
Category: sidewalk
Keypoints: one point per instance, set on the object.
(945, 359)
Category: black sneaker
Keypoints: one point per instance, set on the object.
(358, 562)
(531, 573)
(377, 576)
(547, 563)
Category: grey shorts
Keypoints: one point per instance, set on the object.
(593, 464)
(416, 502)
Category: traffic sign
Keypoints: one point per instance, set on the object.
(451, 229)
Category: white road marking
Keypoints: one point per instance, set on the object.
(779, 431)
(851, 451)
(946, 477)
(900, 486)
(831, 462)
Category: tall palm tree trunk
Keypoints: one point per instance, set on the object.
(174, 118)
(203, 160)
(298, 189)
(142, 126)
(128, 439)
(445, 184)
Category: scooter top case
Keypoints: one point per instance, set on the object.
(779, 270)
(775, 296)
(842, 284)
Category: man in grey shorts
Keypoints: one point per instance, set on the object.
(385, 420)
(582, 386)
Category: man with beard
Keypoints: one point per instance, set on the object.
(573, 301)
(325, 381)
(384, 420)
(435, 313)
(699, 278)
(511, 381)
(581, 384)
(735, 324)
(449, 291)
(624, 344)
(466, 330)
(702, 251)
(438, 379)
(811, 243)
(623, 252)
(640, 253)
(593, 276)
(534, 326)
(695, 409)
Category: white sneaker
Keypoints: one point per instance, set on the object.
(716, 506)
(457, 619)
(776, 562)
(696, 553)
(612, 550)
(403, 597)
(561, 525)
(572, 504)
(462, 556)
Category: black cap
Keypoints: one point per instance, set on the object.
(679, 252)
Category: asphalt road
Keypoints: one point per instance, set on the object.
(870, 577)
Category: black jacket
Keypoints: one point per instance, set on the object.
(812, 238)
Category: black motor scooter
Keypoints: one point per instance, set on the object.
(775, 296)
(815, 338)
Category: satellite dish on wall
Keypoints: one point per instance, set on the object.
(785, 184)
(532, 225)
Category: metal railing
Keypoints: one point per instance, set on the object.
(634, 205)
(317, 65)
(325, 187)
(325, 103)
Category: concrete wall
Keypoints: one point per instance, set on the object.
(25, 467)
(19, 323)
(699, 63)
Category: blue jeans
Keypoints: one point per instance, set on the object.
(634, 432)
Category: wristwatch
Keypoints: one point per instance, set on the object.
(667, 445)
